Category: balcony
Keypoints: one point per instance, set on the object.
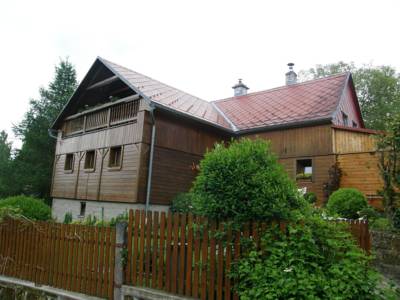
(107, 115)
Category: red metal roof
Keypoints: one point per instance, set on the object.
(303, 102)
(169, 97)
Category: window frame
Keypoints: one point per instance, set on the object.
(354, 124)
(92, 169)
(72, 163)
(119, 166)
(296, 163)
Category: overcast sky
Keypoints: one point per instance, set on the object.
(201, 47)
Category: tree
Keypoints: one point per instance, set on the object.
(5, 163)
(34, 161)
(244, 182)
(389, 164)
(378, 89)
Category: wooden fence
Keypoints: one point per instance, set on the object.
(181, 254)
(71, 257)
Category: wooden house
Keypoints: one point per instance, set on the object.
(126, 140)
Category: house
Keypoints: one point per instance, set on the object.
(125, 140)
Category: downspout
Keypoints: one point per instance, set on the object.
(153, 134)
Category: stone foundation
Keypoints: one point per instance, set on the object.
(95, 208)
(386, 246)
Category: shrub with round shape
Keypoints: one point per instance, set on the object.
(31, 208)
(347, 203)
(244, 182)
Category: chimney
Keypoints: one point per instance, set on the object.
(291, 76)
(240, 88)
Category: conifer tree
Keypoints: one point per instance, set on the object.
(32, 166)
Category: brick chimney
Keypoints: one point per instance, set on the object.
(240, 88)
(291, 76)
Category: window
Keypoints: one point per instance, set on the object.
(69, 162)
(83, 209)
(115, 158)
(354, 124)
(304, 169)
(345, 119)
(90, 159)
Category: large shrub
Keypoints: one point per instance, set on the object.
(315, 260)
(29, 207)
(347, 203)
(244, 182)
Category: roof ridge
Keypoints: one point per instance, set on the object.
(170, 86)
(284, 86)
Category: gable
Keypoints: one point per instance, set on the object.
(348, 106)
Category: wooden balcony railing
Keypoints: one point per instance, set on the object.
(110, 114)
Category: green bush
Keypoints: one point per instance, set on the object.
(315, 260)
(244, 182)
(68, 218)
(183, 203)
(31, 208)
(381, 224)
(347, 203)
(369, 213)
(310, 197)
(396, 219)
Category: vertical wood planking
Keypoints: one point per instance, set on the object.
(160, 274)
(175, 253)
(228, 265)
(129, 247)
(204, 260)
(168, 253)
(149, 222)
(155, 251)
(135, 247)
(220, 267)
(189, 256)
(112, 263)
(181, 277)
(141, 253)
(211, 288)
(102, 244)
(236, 256)
(196, 262)
(95, 268)
(106, 263)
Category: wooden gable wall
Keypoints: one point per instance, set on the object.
(348, 105)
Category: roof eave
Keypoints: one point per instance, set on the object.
(313, 122)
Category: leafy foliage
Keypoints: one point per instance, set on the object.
(68, 218)
(389, 164)
(316, 260)
(183, 203)
(6, 183)
(244, 182)
(347, 203)
(333, 183)
(396, 219)
(310, 197)
(378, 89)
(32, 166)
(29, 207)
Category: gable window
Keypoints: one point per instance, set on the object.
(69, 162)
(82, 211)
(354, 124)
(115, 158)
(304, 169)
(90, 159)
(345, 119)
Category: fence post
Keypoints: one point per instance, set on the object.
(120, 234)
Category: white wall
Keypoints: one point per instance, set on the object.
(94, 208)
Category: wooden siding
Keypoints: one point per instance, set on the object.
(347, 105)
(305, 141)
(346, 141)
(103, 183)
(116, 136)
(321, 165)
(172, 174)
(361, 171)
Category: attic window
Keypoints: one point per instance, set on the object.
(345, 119)
(90, 159)
(304, 169)
(115, 158)
(69, 162)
